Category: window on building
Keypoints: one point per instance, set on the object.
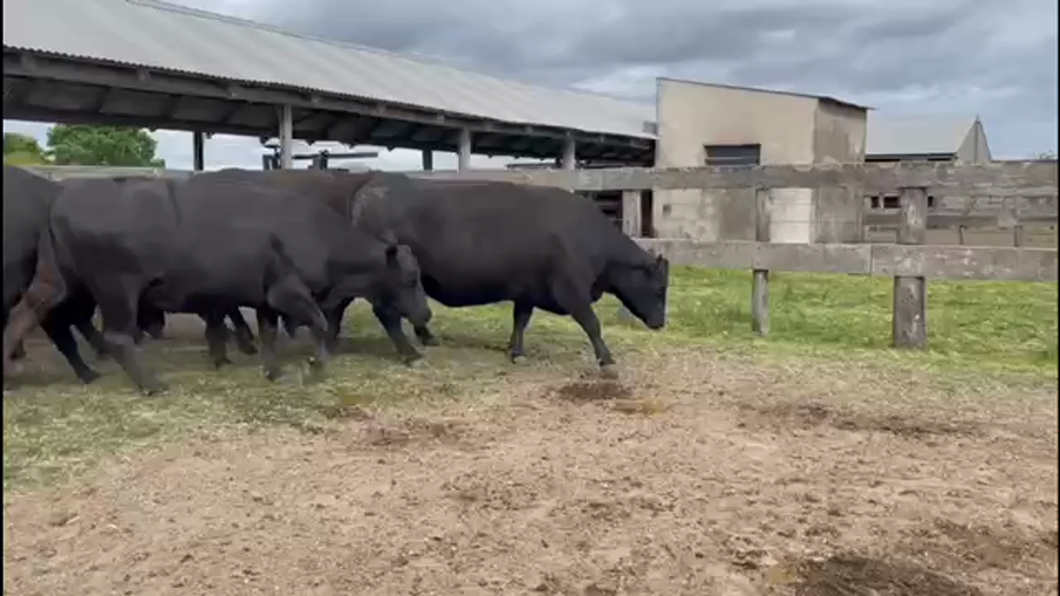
(733, 155)
(892, 202)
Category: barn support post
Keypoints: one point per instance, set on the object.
(570, 151)
(198, 142)
(910, 292)
(428, 160)
(286, 137)
(760, 277)
(463, 150)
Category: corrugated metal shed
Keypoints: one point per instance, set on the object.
(916, 136)
(169, 37)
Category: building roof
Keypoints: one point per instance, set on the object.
(168, 37)
(890, 135)
(827, 98)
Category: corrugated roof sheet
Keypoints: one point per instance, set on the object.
(889, 135)
(828, 98)
(165, 36)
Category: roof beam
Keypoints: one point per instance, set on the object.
(36, 114)
(16, 90)
(25, 64)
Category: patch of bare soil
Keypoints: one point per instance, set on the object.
(811, 415)
(844, 575)
(585, 391)
(548, 487)
(983, 546)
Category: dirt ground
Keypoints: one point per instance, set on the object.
(693, 474)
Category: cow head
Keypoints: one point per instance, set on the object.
(642, 289)
(404, 290)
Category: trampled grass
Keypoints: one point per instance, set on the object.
(977, 330)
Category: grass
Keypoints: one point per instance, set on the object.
(54, 427)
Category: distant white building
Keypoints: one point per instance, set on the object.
(933, 138)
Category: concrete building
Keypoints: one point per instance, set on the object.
(708, 124)
(892, 139)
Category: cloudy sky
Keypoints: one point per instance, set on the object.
(944, 58)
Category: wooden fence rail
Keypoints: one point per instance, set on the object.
(1028, 191)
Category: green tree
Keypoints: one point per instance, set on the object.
(1046, 155)
(84, 145)
(22, 150)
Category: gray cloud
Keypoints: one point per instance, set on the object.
(997, 58)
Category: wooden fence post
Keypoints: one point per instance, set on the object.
(760, 281)
(910, 292)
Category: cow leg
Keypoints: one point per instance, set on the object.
(576, 301)
(62, 336)
(20, 351)
(118, 302)
(290, 327)
(267, 321)
(82, 308)
(217, 338)
(43, 294)
(290, 296)
(425, 336)
(391, 322)
(334, 316)
(156, 329)
(93, 337)
(520, 319)
(244, 336)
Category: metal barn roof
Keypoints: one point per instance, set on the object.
(916, 136)
(164, 36)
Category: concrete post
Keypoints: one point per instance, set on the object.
(286, 137)
(198, 150)
(631, 225)
(463, 150)
(428, 160)
(909, 329)
(569, 153)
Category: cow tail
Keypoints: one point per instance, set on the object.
(47, 289)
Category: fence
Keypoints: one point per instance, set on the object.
(1022, 193)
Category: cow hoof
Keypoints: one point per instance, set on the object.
(247, 348)
(429, 341)
(417, 362)
(272, 374)
(517, 358)
(314, 375)
(609, 371)
(153, 388)
(88, 376)
(219, 362)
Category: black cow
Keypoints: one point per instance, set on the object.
(484, 242)
(540, 247)
(208, 247)
(28, 199)
(335, 190)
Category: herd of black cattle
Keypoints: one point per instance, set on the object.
(301, 245)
